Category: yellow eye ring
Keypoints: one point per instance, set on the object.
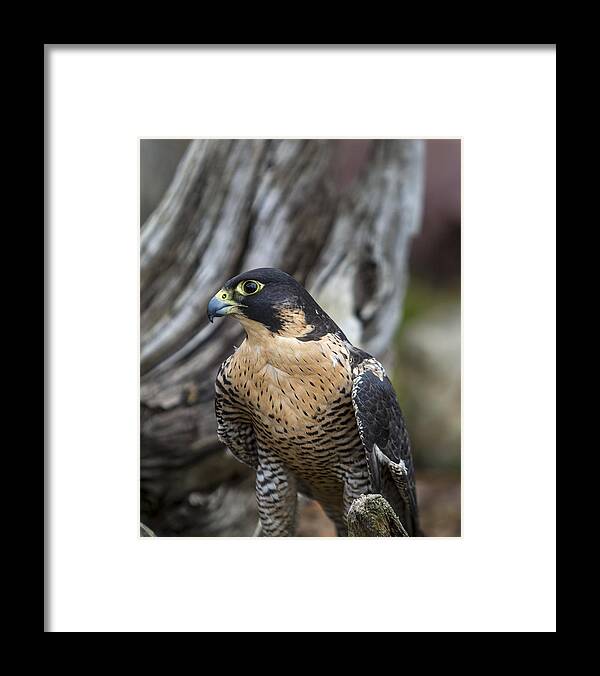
(249, 287)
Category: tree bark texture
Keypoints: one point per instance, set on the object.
(372, 516)
(337, 215)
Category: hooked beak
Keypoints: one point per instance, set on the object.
(219, 308)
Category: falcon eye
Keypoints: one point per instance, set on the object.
(249, 287)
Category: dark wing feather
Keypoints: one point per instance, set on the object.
(234, 428)
(385, 439)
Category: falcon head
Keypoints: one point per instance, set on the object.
(270, 298)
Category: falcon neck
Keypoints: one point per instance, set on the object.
(290, 355)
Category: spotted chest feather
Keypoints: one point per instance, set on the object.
(297, 398)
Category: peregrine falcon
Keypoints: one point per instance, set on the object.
(311, 413)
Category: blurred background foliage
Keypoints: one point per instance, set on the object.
(427, 375)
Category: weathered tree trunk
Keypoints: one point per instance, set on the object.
(337, 215)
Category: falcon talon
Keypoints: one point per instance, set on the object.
(309, 411)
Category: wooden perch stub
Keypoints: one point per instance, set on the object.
(372, 516)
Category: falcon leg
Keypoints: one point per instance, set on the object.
(356, 484)
(276, 494)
